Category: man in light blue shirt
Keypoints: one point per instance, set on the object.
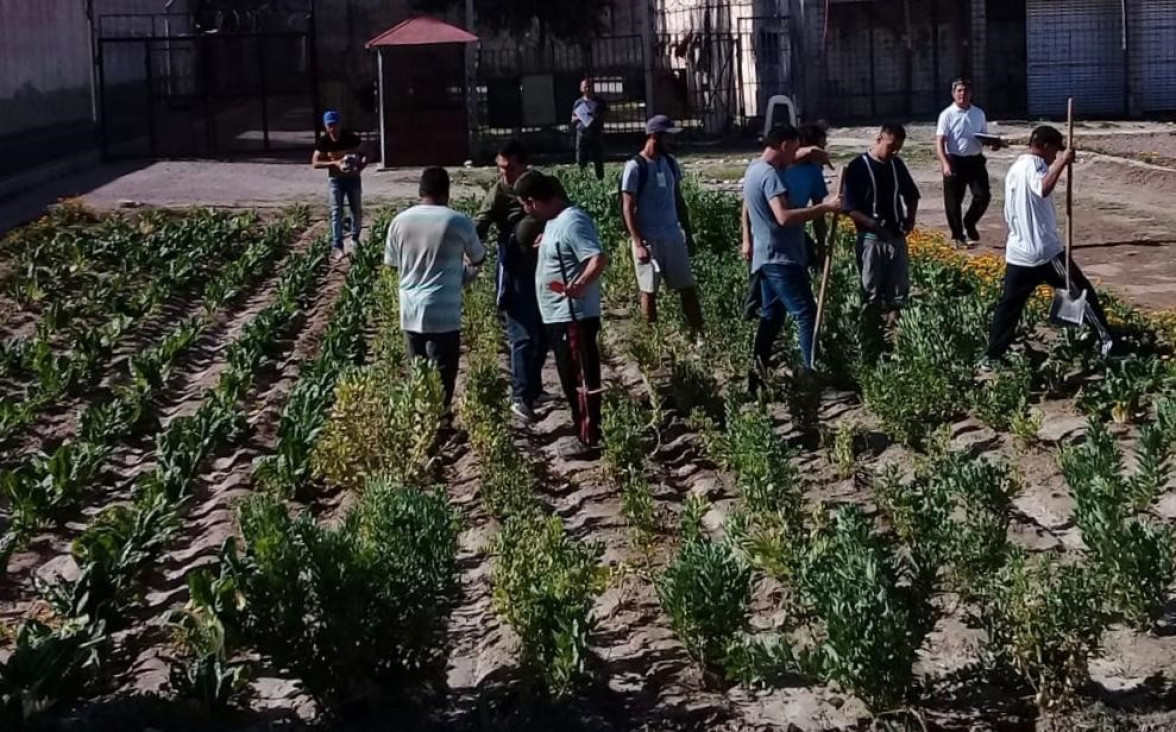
(659, 224)
(431, 245)
(773, 240)
(567, 280)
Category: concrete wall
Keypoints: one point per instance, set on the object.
(44, 64)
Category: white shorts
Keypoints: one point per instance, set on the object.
(669, 262)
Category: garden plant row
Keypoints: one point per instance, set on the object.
(164, 254)
(50, 661)
(40, 488)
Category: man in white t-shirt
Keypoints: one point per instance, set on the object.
(432, 245)
(1034, 254)
(961, 155)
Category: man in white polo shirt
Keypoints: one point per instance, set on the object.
(1034, 254)
(964, 166)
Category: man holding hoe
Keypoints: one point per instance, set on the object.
(773, 241)
(567, 281)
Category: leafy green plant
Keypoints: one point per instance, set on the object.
(46, 665)
(204, 670)
(545, 584)
(346, 607)
(842, 454)
(706, 593)
(1001, 400)
(926, 380)
(382, 423)
(953, 517)
(1121, 393)
(874, 611)
(1133, 556)
(1044, 621)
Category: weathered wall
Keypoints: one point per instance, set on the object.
(44, 64)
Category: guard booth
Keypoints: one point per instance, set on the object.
(424, 102)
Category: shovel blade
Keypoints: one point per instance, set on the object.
(1068, 309)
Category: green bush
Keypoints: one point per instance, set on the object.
(1133, 555)
(874, 613)
(706, 593)
(1044, 621)
(545, 584)
(382, 423)
(347, 607)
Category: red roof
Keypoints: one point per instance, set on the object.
(422, 31)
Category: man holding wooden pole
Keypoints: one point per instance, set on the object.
(1034, 254)
(773, 241)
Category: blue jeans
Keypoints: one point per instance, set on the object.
(351, 189)
(785, 288)
(528, 348)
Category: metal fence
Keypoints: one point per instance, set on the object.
(892, 58)
(526, 91)
(170, 87)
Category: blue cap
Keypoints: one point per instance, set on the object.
(661, 124)
(331, 117)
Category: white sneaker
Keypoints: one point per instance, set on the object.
(349, 247)
(522, 411)
(337, 254)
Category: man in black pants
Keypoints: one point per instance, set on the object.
(1034, 254)
(432, 245)
(961, 155)
(588, 115)
(567, 281)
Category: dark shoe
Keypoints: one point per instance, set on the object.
(572, 448)
(973, 236)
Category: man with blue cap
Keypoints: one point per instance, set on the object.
(340, 152)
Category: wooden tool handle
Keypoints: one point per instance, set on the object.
(830, 242)
(1069, 188)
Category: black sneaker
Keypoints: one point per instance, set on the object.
(973, 236)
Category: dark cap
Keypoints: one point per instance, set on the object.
(661, 124)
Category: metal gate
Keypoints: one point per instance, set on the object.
(206, 95)
(528, 92)
(1076, 49)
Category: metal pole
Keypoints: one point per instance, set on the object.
(380, 97)
(1126, 60)
(471, 81)
(150, 98)
(647, 53)
(260, 40)
(104, 139)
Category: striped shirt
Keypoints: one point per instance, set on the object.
(430, 246)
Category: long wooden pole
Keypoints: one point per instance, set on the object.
(1069, 189)
(830, 243)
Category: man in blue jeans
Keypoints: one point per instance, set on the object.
(517, 257)
(773, 240)
(340, 152)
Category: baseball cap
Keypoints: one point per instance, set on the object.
(331, 117)
(661, 124)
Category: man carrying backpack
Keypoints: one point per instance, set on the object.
(659, 225)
